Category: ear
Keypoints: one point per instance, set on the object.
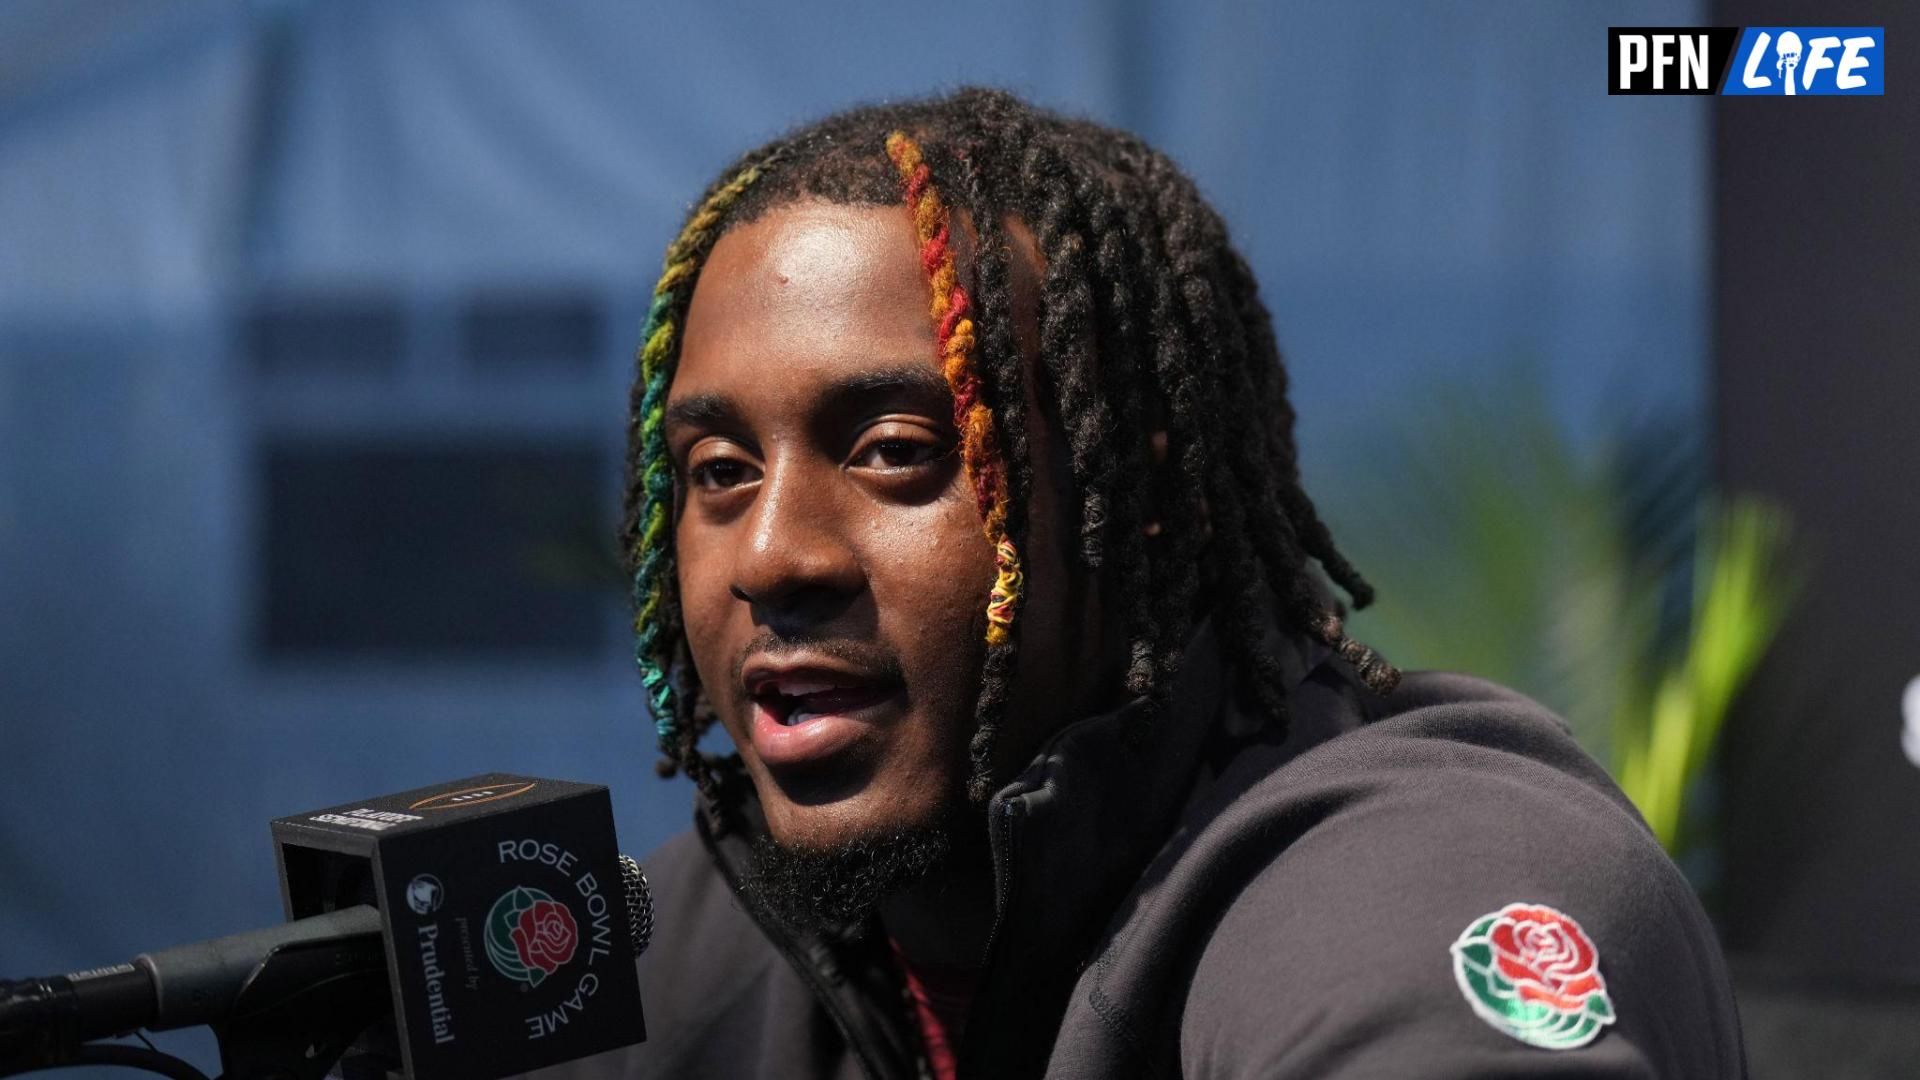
(1160, 488)
(1157, 453)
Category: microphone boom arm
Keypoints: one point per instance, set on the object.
(285, 1002)
(306, 1003)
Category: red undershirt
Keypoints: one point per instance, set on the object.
(939, 997)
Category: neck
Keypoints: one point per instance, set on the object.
(945, 919)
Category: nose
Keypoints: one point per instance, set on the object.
(796, 566)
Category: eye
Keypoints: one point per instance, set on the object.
(718, 474)
(894, 447)
(711, 468)
(900, 453)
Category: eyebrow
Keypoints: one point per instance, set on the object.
(701, 411)
(914, 382)
(924, 388)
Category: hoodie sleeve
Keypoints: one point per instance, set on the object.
(1459, 891)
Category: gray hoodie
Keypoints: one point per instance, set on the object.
(1438, 883)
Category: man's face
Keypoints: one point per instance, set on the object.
(833, 572)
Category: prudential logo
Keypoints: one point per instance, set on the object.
(1750, 61)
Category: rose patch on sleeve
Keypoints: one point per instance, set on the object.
(1532, 973)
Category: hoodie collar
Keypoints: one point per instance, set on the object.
(1098, 800)
(1070, 836)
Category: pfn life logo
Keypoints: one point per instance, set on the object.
(1796, 60)
(1783, 61)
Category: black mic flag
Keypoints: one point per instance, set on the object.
(504, 914)
(471, 930)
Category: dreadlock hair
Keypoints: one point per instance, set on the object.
(1149, 321)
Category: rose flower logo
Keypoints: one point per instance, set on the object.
(530, 935)
(1532, 972)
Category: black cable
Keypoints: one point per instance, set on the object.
(132, 1057)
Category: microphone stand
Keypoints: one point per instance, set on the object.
(300, 1009)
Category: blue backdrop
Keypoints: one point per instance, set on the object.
(1423, 190)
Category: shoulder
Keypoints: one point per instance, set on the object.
(1436, 881)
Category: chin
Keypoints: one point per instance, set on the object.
(865, 815)
(885, 787)
(841, 873)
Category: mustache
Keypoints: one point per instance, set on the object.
(870, 657)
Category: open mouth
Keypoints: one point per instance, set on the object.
(808, 711)
(793, 702)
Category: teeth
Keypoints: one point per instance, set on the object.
(796, 688)
(797, 717)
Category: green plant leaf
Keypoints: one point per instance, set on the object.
(1603, 579)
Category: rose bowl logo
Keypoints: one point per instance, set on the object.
(530, 935)
(1532, 973)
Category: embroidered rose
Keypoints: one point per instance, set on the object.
(546, 935)
(1533, 973)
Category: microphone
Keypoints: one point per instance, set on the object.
(470, 929)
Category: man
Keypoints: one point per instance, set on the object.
(963, 498)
